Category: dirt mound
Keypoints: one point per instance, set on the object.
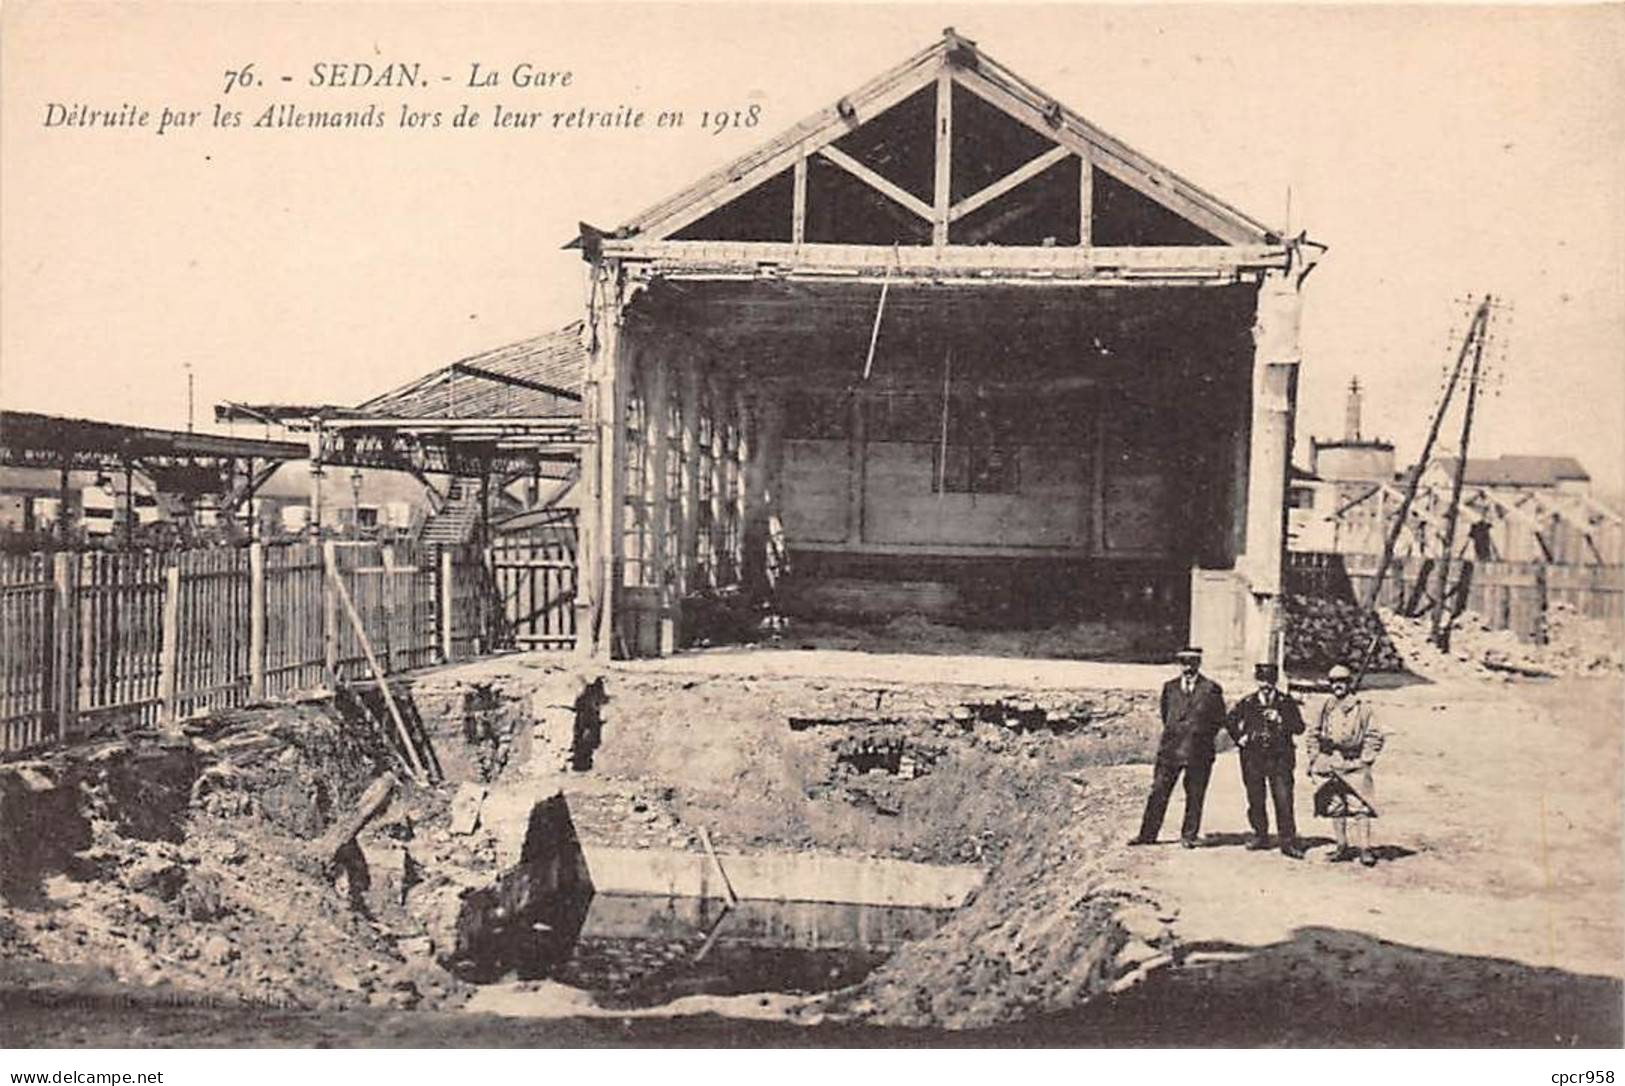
(1053, 926)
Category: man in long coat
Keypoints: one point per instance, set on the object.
(1265, 725)
(1192, 714)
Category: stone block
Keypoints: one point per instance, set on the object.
(465, 808)
(155, 875)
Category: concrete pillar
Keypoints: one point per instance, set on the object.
(603, 471)
(658, 511)
(693, 367)
(1276, 357)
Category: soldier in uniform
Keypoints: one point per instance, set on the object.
(1265, 725)
(1192, 714)
(1342, 746)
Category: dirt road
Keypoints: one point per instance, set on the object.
(1493, 918)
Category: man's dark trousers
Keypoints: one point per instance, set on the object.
(1163, 776)
(1269, 770)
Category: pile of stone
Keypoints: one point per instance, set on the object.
(1321, 632)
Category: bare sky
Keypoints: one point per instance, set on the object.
(1438, 151)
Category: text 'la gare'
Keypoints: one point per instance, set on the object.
(411, 74)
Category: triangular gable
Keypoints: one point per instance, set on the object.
(950, 148)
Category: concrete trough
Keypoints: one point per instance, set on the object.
(785, 876)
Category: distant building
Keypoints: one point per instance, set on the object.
(1356, 458)
(1330, 506)
(1514, 475)
(1513, 508)
(1533, 509)
(371, 503)
(98, 503)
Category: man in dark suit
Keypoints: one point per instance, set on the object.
(1265, 725)
(1192, 714)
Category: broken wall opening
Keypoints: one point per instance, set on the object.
(1016, 457)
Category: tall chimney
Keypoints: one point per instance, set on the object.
(1351, 414)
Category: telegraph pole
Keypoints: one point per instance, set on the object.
(1441, 629)
(1475, 333)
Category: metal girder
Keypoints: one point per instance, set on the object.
(518, 382)
(357, 450)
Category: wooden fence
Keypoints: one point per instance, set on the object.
(1506, 595)
(88, 640)
(534, 576)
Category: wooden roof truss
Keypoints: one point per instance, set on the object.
(865, 186)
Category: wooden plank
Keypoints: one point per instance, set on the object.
(798, 208)
(391, 605)
(1020, 175)
(869, 177)
(121, 656)
(89, 596)
(65, 701)
(256, 622)
(419, 773)
(446, 616)
(330, 613)
(853, 260)
(342, 832)
(1086, 202)
(943, 187)
(169, 653)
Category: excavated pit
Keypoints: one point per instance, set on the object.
(579, 834)
(638, 927)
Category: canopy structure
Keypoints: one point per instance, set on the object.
(33, 440)
(231, 467)
(942, 330)
(509, 411)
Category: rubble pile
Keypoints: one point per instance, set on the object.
(1579, 645)
(190, 866)
(1321, 632)
(1576, 645)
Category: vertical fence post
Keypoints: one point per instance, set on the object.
(66, 688)
(169, 651)
(256, 621)
(446, 595)
(330, 614)
(492, 612)
(1542, 629)
(390, 610)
